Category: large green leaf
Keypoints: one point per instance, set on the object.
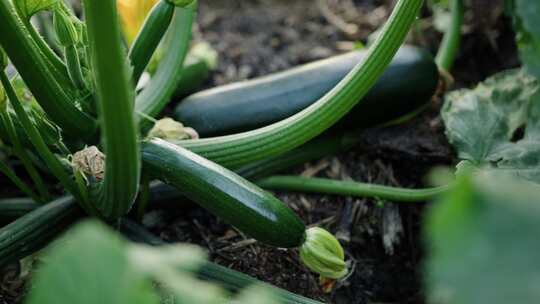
(484, 124)
(483, 243)
(93, 265)
(90, 266)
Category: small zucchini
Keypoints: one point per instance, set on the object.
(409, 82)
(224, 193)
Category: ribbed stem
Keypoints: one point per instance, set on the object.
(56, 66)
(161, 88)
(148, 39)
(452, 37)
(320, 147)
(115, 95)
(328, 186)
(32, 66)
(235, 150)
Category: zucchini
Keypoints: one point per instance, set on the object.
(409, 82)
(225, 194)
(148, 39)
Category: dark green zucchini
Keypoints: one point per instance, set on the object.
(409, 82)
(148, 39)
(225, 194)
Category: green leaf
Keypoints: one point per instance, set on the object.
(527, 24)
(90, 266)
(93, 265)
(483, 240)
(482, 124)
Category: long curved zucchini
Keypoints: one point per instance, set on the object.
(409, 82)
(224, 193)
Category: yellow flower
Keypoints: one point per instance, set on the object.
(133, 13)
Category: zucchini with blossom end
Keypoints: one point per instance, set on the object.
(409, 83)
(242, 204)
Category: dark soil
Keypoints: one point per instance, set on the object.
(383, 241)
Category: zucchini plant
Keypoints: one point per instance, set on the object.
(91, 126)
(88, 95)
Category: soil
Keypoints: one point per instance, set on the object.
(383, 240)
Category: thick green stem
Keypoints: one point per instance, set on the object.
(115, 95)
(452, 37)
(148, 39)
(328, 186)
(235, 150)
(56, 66)
(54, 165)
(32, 66)
(325, 145)
(158, 93)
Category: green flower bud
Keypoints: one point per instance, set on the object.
(181, 3)
(3, 59)
(171, 130)
(65, 30)
(323, 254)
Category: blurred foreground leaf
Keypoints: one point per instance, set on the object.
(483, 243)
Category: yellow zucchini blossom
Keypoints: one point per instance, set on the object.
(133, 13)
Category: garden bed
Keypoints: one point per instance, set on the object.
(382, 240)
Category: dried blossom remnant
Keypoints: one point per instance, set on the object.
(90, 161)
(171, 130)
